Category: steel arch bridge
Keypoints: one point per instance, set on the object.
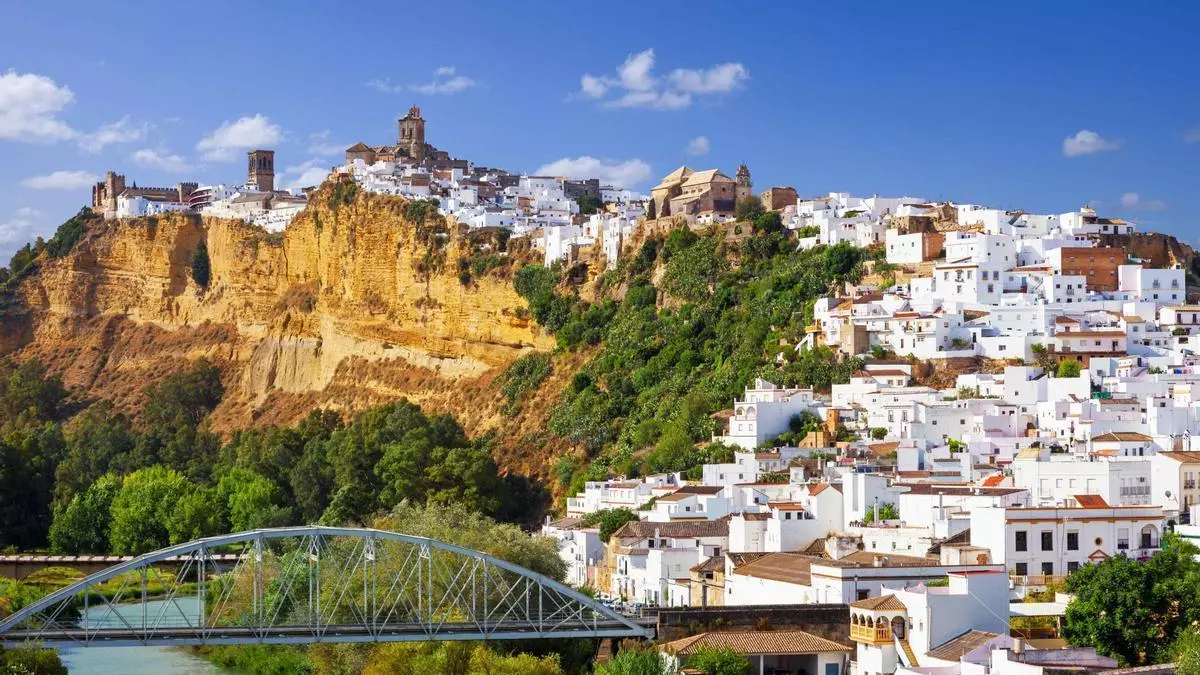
(313, 584)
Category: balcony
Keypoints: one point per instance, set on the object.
(876, 635)
(1035, 580)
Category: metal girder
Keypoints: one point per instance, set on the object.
(314, 584)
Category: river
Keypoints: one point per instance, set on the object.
(135, 660)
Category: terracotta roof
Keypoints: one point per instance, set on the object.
(821, 487)
(879, 603)
(993, 481)
(756, 642)
(867, 559)
(791, 568)
(749, 516)
(961, 490)
(1120, 437)
(1091, 333)
(358, 147)
(739, 559)
(1091, 502)
(1186, 457)
(955, 648)
(687, 528)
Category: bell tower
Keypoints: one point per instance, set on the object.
(260, 170)
(412, 135)
(743, 182)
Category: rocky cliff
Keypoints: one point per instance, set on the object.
(354, 304)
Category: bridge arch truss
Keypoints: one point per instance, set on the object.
(313, 584)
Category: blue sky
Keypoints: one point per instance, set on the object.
(963, 101)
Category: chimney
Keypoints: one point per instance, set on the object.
(1018, 646)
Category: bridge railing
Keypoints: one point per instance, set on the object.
(313, 584)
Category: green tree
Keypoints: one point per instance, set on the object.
(31, 661)
(96, 438)
(83, 525)
(201, 266)
(633, 660)
(252, 501)
(142, 508)
(747, 209)
(609, 521)
(1069, 369)
(879, 433)
(887, 511)
(1186, 652)
(588, 204)
(719, 662)
(197, 512)
(1133, 610)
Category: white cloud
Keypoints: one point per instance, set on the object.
(385, 86)
(720, 79)
(621, 174)
(62, 180)
(116, 132)
(160, 160)
(29, 108)
(638, 87)
(1192, 135)
(319, 144)
(19, 228)
(306, 174)
(1087, 143)
(698, 146)
(242, 134)
(445, 81)
(1132, 201)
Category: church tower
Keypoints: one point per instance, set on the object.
(412, 135)
(743, 182)
(260, 170)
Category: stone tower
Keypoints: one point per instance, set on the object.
(743, 182)
(412, 135)
(260, 170)
(105, 193)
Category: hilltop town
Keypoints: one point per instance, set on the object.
(1022, 403)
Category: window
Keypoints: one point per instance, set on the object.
(1022, 543)
(1072, 541)
(1047, 541)
(1048, 568)
(1072, 567)
(1021, 569)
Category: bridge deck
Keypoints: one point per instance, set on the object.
(232, 635)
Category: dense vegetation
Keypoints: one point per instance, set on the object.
(104, 482)
(729, 311)
(1138, 612)
(24, 261)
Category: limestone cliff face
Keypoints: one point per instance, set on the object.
(351, 306)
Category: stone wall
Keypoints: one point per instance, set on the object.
(831, 622)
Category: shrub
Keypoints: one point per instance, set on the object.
(201, 266)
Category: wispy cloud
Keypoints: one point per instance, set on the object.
(636, 86)
(161, 160)
(1087, 142)
(61, 180)
(618, 173)
(19, 228)
(698, 146)
(1132, 201)
(306, 174)
(242, 134)
(319, 144)
(446, 80)
(121, 131)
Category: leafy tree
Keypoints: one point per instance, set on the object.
(68, 233)
(719, 662)
(83, 525)
(1186, 652)
(768, 223)
(609, 521)
(879, 433)
(633, 660)
(887, 511)
(142, 509)
(197, 512)
(27, 459)
(1069, 369)
(96, 438)
(747, 209)
(31, 661)
(588, 204)
(253, 501)
(1134, 611)
(171, 420)
(201, 266)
